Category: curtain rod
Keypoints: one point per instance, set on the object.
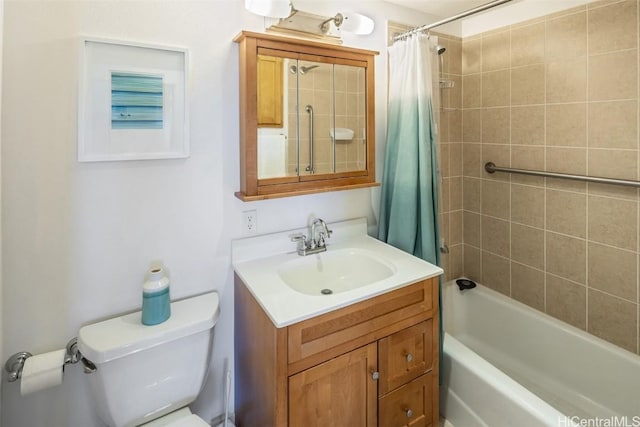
(491, 168)
(464, 14)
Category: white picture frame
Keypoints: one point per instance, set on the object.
(153, 125)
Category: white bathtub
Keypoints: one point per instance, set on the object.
(506, 364)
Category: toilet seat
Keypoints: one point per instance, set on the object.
(180, 418)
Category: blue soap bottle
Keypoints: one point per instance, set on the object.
(156, 305)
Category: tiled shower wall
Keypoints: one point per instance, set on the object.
(558, 93)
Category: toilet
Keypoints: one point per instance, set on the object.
(147, 375)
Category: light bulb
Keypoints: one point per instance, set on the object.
(270, 8)
(356, 23)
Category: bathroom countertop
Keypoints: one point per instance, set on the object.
(256, 260)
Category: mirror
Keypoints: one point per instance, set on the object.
(311, 117)
(311, 126)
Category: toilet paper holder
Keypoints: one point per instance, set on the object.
(15, 363)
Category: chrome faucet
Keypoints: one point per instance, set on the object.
(317, 240)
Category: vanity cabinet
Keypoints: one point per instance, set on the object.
(307, 116)
(373, 363)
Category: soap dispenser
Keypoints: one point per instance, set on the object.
(156, 306)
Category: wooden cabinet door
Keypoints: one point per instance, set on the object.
(270, 93)
(409, 406)
(405, 356)
(340, 392)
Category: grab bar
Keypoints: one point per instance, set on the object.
(491, 168)
(309, 109)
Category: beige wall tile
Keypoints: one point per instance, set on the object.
(567, 80)
(495, 51)
(472, 125)
(610, 163)
(495, 199)
(445, 196)
(613, 27)
(528, 85)
(495, 236)
(455, 159)
(527, 125)
(613, 75)
(495, 273)
(567, 36)
(527, 245)
(472, 91)
(455, 229)
(566, 301)
(456, 268)
(613, 319)
(455, 193)
(472, 263)
(499, 155)
(527, 44)
(496, 88)
(566, 125)
(617, 191)
(495, 125)
(613, 124)
(472, 194)
(527, 285)
(613, 222)
(454, 93)
(567, 212)
(471, 56)
(444, 225)
(567, 160)
(443, 159)
(527, 205)
(471, 226)
(613, 270)
(566, 257)
(471, 157)
(454, 57)
(527, 157)
(455, 126)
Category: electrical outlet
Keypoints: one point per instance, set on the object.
(250, 222)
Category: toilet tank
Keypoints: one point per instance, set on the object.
(144, 372)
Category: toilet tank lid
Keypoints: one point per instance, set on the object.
(120, 336)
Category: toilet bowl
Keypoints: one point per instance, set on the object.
(148, 375)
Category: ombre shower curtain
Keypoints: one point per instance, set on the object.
(409, 201)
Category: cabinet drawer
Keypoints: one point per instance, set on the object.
(348, 328)
(410, 405)
(405, 356)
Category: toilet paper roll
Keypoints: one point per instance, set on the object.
(42, 371)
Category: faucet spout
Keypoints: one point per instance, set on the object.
(316, 242)
(318, 237)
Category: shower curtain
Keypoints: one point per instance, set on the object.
(409, 200)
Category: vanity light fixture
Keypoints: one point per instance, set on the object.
(303, 24)
(351, 22)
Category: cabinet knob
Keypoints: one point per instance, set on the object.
(409, 357)
(375, 375)
(408, 412)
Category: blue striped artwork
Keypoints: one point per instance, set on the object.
(136, 101)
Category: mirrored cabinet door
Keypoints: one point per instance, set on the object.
(305, 121)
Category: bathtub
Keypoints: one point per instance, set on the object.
(506, 364)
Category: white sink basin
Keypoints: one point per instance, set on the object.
(355, 267)
(334, 272)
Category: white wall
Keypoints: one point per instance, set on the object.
(1, 33)
(78, 237)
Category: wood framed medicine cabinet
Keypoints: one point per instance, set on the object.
(307, 117)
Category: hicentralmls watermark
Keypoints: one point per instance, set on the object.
(615, 421)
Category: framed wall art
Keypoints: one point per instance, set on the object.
(133, 101)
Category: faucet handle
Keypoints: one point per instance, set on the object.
(299, 237)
